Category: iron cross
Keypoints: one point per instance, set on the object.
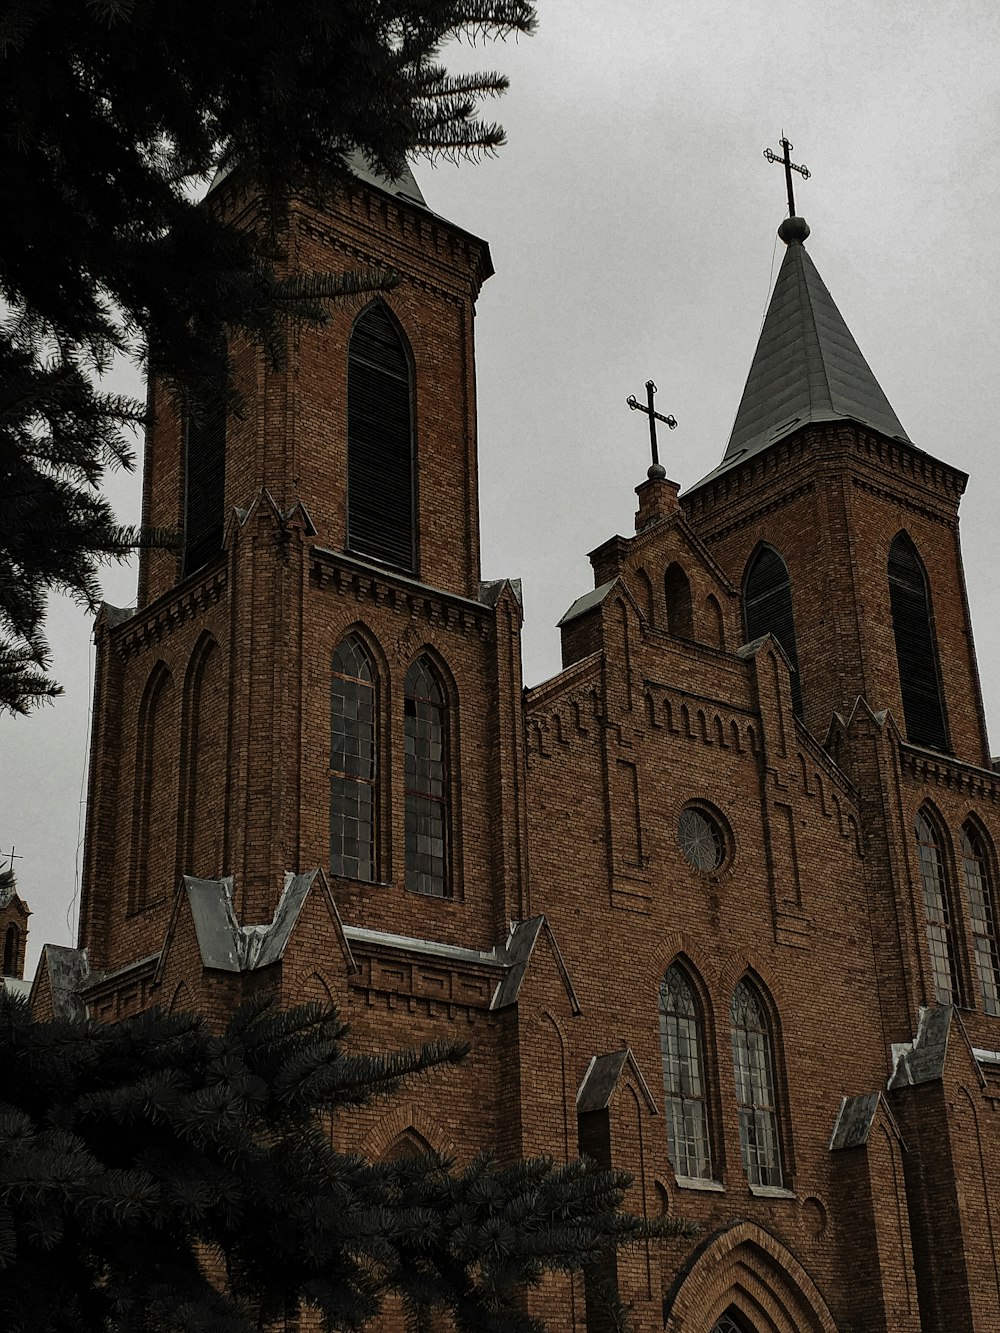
(656, 470)
(789, 166)
(13, 856)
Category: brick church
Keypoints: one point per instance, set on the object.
(715, 904)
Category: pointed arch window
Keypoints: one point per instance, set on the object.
(425, 728)
(677, 591)
(916, 657)
(753, 1065)
(380, 474)
(353, 762)
(982, 910)
(682, 1048)
(937, 912)
(205, 470)
(767, 609)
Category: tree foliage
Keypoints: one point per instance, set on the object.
(114, 115)
(157, 1178)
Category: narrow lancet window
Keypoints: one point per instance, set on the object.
(753, 1064)
(380, 498)
(923, 712)
(940, 939)
(353, 762)
(682, 1049)
(767, 609)
(205, 474)
(677, 591)
(426, 778)
(982, 910)
(11, 949)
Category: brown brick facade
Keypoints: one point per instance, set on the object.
(569, 892)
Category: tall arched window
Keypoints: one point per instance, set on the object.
(682, 1048)
(979, 886)
(426, 778)
(11, 950)
(205, 472)
(923, 712)
(380, 496)
(767, 608)
(937, 911)
(353, 762)
(677, 591)
(753, 1065)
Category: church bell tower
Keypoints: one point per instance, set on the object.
(303, 682)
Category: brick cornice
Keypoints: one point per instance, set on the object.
(941, 770)
(162, 617)
(408, 597)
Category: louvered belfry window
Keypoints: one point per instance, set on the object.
(937, 911)
(767, 609)
(753, 1065)
(923, 712)
(686, 1097)
(425, 733)
(205, 480)
(353, 762)
(982, 910)
(380, 499)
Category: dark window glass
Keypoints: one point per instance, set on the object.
(677, 590)
(702, 840)
(205, 475)
(940, 940)
(979, 887)
(682, 1047)
(753, 1064)
(379, 442)
(426, 779)
(353, 762)
(923, 714)
(727, 1325)
(767, 609)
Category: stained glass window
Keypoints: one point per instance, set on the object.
(702, 840)
(940, 942)
(353, 762)
(426, 779)
(979, 887)
(753, 1064)
(682, 1049)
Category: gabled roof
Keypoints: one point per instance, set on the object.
(807, 367)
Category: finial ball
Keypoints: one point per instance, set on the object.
(656, 472)
(793, 229)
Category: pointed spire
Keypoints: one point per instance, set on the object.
(807, 367)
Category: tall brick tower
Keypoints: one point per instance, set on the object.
(716, 904)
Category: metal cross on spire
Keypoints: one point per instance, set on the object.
(789, 166)
(11, 856)
(656, 471)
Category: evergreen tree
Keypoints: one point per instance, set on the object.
(114, 115)
(158, 1178)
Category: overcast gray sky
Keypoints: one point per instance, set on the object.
(632, 222)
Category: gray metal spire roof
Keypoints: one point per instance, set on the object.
(807, 367)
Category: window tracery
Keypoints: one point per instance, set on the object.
(753, 1065)
(353, 762)
(682, 1050)
(982, 911)
(937, 912)
(426, 781)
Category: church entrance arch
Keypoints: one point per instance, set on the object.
(742, 1280)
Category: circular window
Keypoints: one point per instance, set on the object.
(701, 838)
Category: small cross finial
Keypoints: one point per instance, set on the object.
(656, 471)
(789, 166)
(12, 856)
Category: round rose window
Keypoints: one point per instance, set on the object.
(701, 838)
